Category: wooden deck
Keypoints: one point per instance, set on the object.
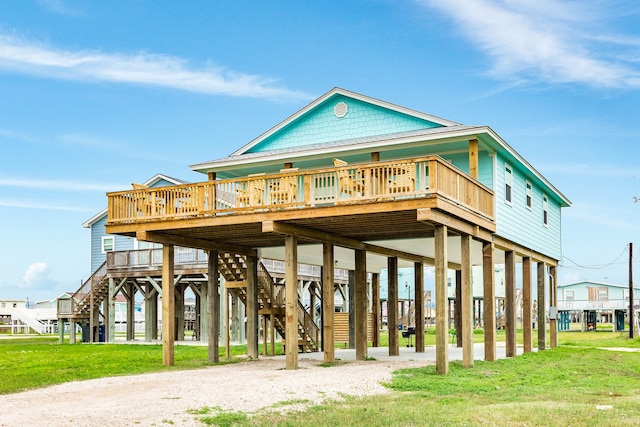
(369, 201)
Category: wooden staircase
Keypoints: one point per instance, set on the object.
(270, 300)
(234, 269)
(91, 294)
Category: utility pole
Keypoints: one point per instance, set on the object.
(631, 320)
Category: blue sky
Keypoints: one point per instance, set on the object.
(96, 95)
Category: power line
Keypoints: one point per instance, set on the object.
(598, 266)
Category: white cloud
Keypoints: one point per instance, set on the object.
(545, 40)
(36, 276)
(141, 68)
(40, 205)
(60, 185)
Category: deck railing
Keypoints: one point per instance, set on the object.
(298, 189)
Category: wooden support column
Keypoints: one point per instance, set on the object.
(150, 313)
(168, 306)
(131, 311)
(418, 274)
(252, 307)
(473, 158)
(392, 305)
(212, 325)
(489, 301)
(111, 301)
(527, 314)
(442, 330)
(351, 308)
(92, 317)
(291, 301)
(553, 303)
(328, 303)
(466, 301)
(510, 302)
(457, 309)
(106, 311)
(72, 331)
(227, 327)
(179, 295)
(375, 304)
(202, 315)
(542, 345)
(360, 304)
(61, 331)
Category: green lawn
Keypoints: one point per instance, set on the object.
(574, 384)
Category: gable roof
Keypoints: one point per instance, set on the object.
(149, 183)
(318, 130)
(599, 284)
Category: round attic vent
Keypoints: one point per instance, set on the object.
(340, 110)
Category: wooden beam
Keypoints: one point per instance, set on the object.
(392, 305)
(375, 304)
(489, 302)
(345, 242)
(291, 301)
(466, 302)
(233, 284)
(418, 283)
(507, 245)
(213, 307)
(473, 158)
(192, 242)
(442, 306)
(252, 307)
(510, 302)
(328, 303)
(527, 315)
(360, 304)
(436, 216)
(168, 306)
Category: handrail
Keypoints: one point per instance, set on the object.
(357, 183)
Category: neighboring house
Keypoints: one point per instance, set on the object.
(592, 302)
(101, 242)
(361, 184)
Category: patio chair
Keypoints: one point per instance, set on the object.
(349, 181)
(403, 179)
(252, 194)
(283, 190)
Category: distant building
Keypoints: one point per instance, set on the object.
(593, 302)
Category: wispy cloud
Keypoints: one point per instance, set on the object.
(148, 69)
(22, 204)
(546, 40)
(59, 185)
(590, 170)
(58, 7)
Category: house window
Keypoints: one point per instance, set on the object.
(3, 305)
(528, 194)
(108, 244)
(508, 183)
(600, 293)
(545, 210)
(568, 295)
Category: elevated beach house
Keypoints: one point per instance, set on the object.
(356, 183)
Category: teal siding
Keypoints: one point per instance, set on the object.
(522, 225)
(320, 125)
(485, 165)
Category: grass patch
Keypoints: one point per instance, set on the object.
(559, 387)
(27, 363)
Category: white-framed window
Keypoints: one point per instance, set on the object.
(108, 244)
(508, 183)
(568, 295)
(528, 194)
(545, 210)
